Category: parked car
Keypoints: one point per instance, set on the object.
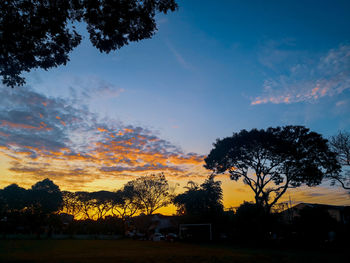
(157, 237)
(171, 237)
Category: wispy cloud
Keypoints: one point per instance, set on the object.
(321, 195)
(51, 137)
(341, 103)
(91, 88)
(277, 55)
(310, 81)
(179, 57)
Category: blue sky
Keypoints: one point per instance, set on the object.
(196, 79)
(213, 68)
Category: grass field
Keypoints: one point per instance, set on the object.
(145, 251)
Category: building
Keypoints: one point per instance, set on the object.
(340, 213)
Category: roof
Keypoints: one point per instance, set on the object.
(325, 206)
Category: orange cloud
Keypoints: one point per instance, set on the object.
(24, 126)
(259, 101)
(324, 91)
(194, 160)
(326, 76)
(89, 148)
(127, 130)
(4, 134)
(314, 91)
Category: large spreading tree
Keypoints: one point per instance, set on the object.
(41, 33)
(273, 160)
(150, 192)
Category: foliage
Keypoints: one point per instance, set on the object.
(103, 202)
(45, 197)
(147, 194)
(152, 192)
(87, 204)
(28, 210)
(71, 203)
(13, 198)
(205, 199)
(340, 144)
(271, 161)
(40, 34)
(126, 203)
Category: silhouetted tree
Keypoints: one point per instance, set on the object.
(14, 198)
(102, 202)
(340, 144)
(205, 199)
(87, 205)
(214, 195)
(71, 203)
(189, 201)
(271, 161)
(126, 203)
(151, 191)
(45, 197)
(248, 212)
(39, 33)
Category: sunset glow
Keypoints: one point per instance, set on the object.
(157, 106)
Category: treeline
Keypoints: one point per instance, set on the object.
(44, 205)
(42, 198)
(143, 195)
(30, 210)
(44, 209)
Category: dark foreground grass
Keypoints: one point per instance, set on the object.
(145, 251)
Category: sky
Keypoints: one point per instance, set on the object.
(158, 105)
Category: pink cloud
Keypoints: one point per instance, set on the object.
(328, 77)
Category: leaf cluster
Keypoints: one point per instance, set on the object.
(42, 33)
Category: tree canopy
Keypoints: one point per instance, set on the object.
(13, 198)
(126, 203)
(41, 33)
(271, 161)
(205, 199)
(152, 192)
(144, 194)
(44, 198)
(340, 144)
